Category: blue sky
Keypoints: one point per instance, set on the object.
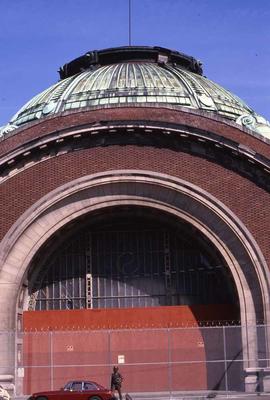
(230, 37)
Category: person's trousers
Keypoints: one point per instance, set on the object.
(117, 389)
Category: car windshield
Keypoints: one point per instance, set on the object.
(68, 386)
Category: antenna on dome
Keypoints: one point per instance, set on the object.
(129, 22)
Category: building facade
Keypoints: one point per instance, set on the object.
(132, 186)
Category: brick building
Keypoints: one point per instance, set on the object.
(138, 188)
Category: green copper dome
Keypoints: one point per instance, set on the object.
(136, 75)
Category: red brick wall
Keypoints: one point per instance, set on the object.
(53, 358)
(248, 201)
(156, 359)
(154, 317)
(59, 340)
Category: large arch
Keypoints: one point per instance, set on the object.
(139, 188)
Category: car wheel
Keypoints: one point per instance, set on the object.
(94, 398)
(41, 398)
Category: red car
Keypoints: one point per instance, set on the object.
(76, 390)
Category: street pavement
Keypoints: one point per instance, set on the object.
(190, 396)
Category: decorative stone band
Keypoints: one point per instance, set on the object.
(179, 138)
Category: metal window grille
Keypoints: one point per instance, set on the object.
(131, 267)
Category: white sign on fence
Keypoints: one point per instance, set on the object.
(20, 372)
(121, 359)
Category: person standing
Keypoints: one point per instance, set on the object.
(116, 382)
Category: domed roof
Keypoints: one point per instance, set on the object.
(141, 76)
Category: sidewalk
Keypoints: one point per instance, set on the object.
(199, 395)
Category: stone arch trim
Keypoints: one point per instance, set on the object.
(148, 189)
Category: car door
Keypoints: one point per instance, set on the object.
(75, 391)
(90, 390)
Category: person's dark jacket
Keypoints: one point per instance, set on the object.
(116, 379)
